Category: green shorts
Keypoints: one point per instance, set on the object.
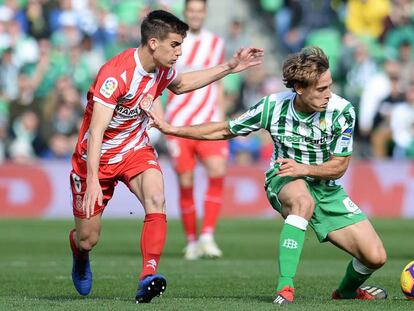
(333, 208)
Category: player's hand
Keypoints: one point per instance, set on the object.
(93, 193)
(291, 168)
(159, 123)
(245, 58)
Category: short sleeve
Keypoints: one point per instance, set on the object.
(248, 122)
(343, 132)
(167, 76)
(108, 87)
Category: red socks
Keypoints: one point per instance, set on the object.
(75, 250)
(153, 236)
(188, 213)
(212, 204)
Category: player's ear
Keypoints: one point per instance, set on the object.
(298, 88)
(153, 43)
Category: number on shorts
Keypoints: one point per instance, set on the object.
(77, 183)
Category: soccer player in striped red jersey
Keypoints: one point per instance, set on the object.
(201, 49)
(113, 144)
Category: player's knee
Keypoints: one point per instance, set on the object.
(186, 179)
(377, 257)
(302, 205)
(155, 202)
(217, 171)
(88, 242)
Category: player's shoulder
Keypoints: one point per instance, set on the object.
(280, 97)
(338, 103)
(122, 61)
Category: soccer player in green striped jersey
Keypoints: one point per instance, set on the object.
(312, 133)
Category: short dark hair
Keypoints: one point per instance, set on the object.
(158, 24)
(305, 67)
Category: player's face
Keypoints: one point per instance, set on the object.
(167, 51)
(315, 97)
(195, 14)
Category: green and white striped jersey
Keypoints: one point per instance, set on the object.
(308, 139)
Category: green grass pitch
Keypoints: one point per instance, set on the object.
(35, 264)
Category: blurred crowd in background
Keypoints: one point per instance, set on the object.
(50, 52)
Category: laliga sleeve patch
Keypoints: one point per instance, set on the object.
(108, 87)
(346, 137)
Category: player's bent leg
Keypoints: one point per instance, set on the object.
(148, 187)
(297, 207)
(364, 244)
(82, 240)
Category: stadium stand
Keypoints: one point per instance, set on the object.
(51, 50)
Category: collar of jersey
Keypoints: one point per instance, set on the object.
(296, 114)
(141, 69)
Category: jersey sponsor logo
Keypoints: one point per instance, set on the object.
(303, 130)
(125, 99)
(108, 87)
(127, 112)
(152, 162)
(301, 139)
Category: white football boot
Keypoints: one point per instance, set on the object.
(191, 251)
(207, 247)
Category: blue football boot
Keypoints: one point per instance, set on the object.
(150, 287)
(82, 276)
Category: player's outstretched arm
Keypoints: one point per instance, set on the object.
(241, 60)
(334, 168)
(206, 131)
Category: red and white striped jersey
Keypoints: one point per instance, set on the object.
(123, 85)
(200, 51)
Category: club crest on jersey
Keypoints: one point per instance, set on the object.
(322, 124)
(108, 87)
(146, 102)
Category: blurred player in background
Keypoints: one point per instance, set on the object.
(312, 133)
(201, 49)
(113, 144)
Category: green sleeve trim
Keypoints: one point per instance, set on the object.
(342, 154)
(229, 127)
(265, 114)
